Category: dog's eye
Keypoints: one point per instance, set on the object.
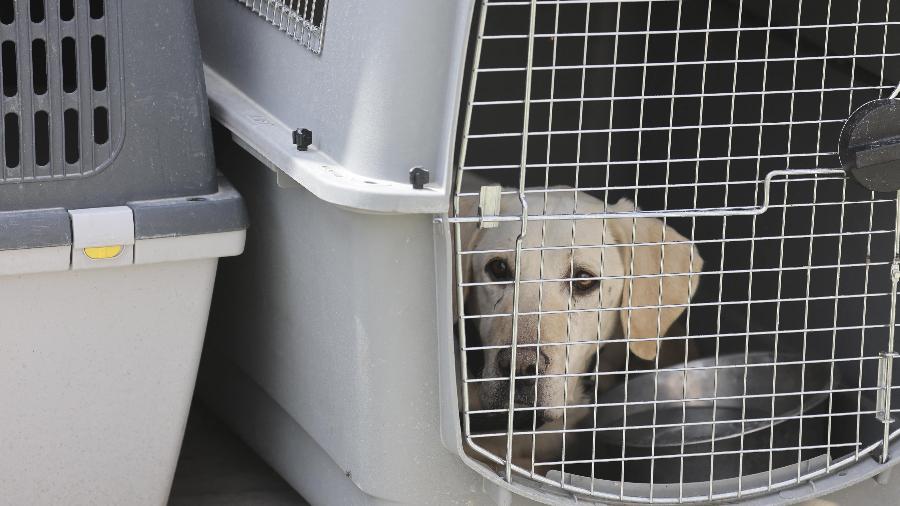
(584, 281)
(498, 269)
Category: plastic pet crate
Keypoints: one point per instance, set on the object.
(480, 224)
(112, 220)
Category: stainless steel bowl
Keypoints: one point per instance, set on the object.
(727, 407)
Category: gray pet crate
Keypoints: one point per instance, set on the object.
(112, 219)
(395, 128)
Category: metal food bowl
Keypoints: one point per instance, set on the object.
(714, 418)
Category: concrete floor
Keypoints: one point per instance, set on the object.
(217, 469)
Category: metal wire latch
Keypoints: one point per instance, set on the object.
(489, 215)
(488, 206)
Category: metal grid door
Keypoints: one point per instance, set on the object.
(662, 176)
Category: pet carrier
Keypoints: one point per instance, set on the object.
(112, 218)
(664, 232)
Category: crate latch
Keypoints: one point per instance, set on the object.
(489, 205)
(102, 237)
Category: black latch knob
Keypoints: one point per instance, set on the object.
(870, 145)
(419, 177)
(303, 138)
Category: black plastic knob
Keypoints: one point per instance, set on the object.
(302, 139)
(870, 145)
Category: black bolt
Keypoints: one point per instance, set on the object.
(302, 138)
(419, 177)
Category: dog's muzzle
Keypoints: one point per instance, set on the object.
(530, 365)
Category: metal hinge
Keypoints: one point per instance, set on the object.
(883, 394)
(883, 399)
(886, 358)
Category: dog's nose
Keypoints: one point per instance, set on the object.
(528, 362)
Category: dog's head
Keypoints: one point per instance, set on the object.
(566, 311)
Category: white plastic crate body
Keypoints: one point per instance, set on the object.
(330, 366)
(97, 394)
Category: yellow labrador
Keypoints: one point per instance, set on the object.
(564, 320)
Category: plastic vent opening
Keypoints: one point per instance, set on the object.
(10, 69)
(41, 138)
(11, 139)
(67, 10)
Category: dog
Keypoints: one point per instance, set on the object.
(609, 278)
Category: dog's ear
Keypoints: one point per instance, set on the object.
(657, 275)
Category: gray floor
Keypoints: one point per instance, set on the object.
(217, 469)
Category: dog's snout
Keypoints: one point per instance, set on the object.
(528, 362)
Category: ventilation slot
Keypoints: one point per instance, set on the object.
(11, 139)
(312, 11)
(37, 11)
(101, 125)
(39, 66)
(10, 69)
(96, 9)
(41, 138)
(7, 11)
(69, 65)
(71, 136)
(67, 10)
(98, 62)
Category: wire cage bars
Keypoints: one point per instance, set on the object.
(667, 290)
(302, 20)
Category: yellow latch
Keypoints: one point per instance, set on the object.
(103, 252)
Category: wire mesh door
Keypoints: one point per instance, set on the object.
(668, 290)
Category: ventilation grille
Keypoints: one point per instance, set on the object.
(302, 20)
(62, 95)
